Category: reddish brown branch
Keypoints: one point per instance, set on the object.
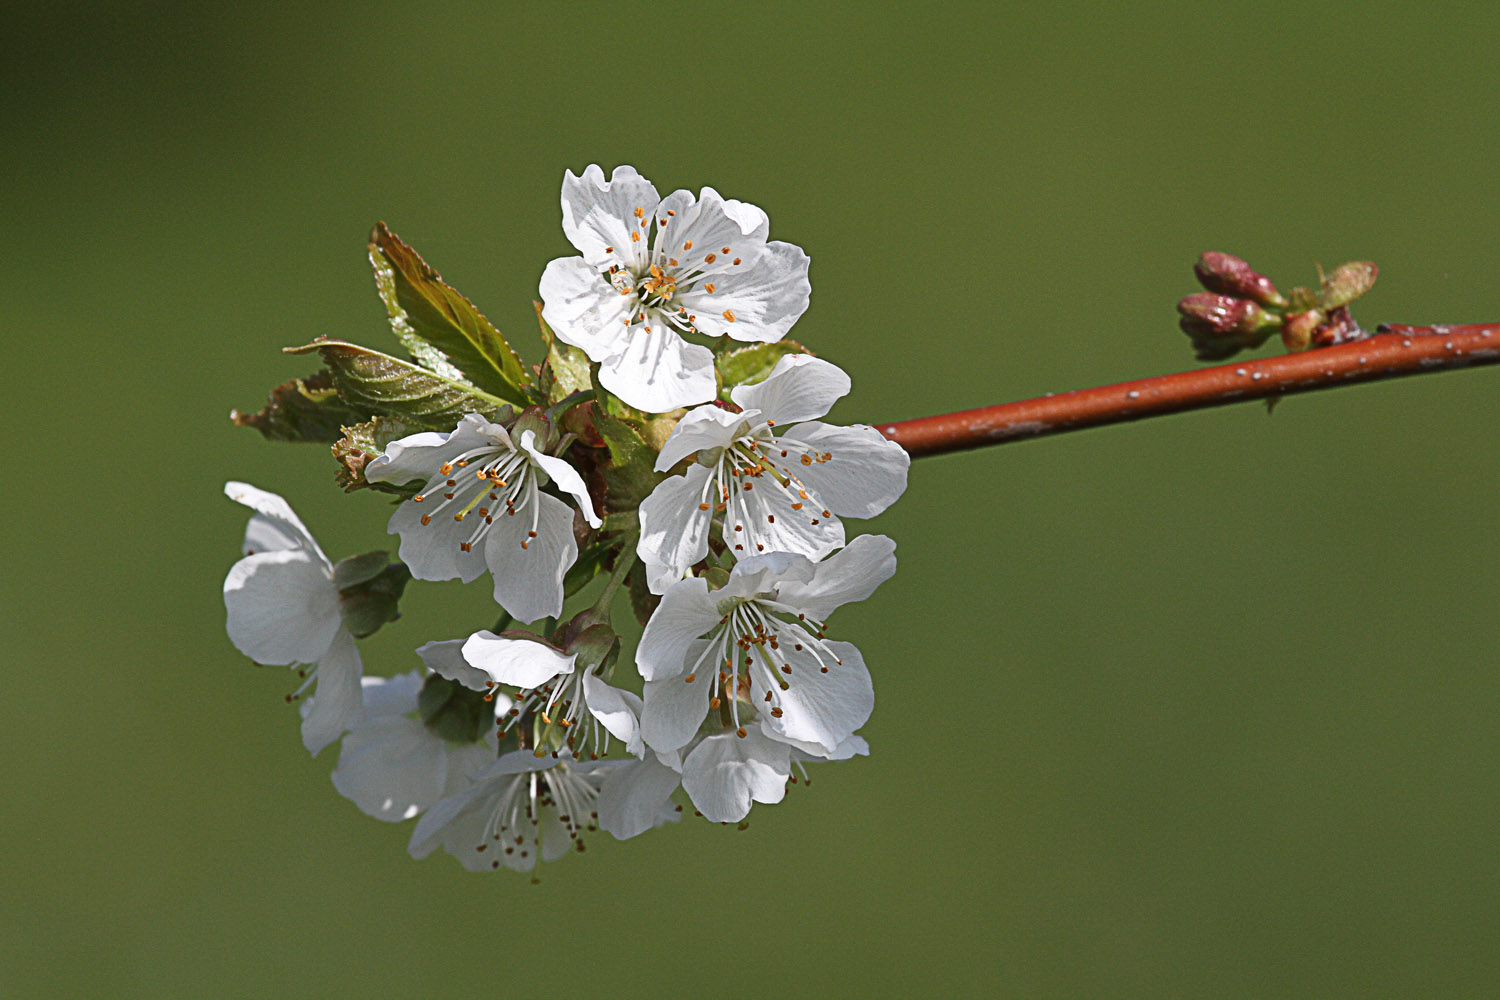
(1395, 351)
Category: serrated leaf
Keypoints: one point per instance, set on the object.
(567, 368)
(379, 384)
(443, 330)
(303, 409)
(749, 365)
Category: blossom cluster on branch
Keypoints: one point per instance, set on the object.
(670, 447)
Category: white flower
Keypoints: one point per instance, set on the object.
(391, 765)
(520, 808)
(757, 644)
(778, 488)
(584, 709)
(483, 506)
(652, 269)
(283, 609)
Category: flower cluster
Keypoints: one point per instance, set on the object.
(581, 480)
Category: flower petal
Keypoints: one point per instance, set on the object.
(674, 528)
(609, 221)
(800, 387)
(529, 579)
(445, 658)
(726, 773)
(675, 707)
(391, 695)
(758, 300)
(521, 663)
(585, 310)
(392, 767)
(818, 708)
(659, 371)
(619, 711)
(702, 429)
(434, 551)
(636, 797)
(564, 475)
(275, 525)
(865, 473)
(338, 704)
(685, 614)
(759, 520)
(282, 607)
(847, 576)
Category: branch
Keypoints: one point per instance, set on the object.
(1396, 350)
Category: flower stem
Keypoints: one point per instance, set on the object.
(1394, 351)
(623, 562)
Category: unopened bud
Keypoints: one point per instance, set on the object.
(1228, 275)
(1297, 331)
(1339, 328)
(1347, 282)
(534, 419)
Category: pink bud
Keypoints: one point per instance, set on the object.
(1228, 275)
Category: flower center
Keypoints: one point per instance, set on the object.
(502, 483)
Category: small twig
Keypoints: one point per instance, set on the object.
(1395, 351)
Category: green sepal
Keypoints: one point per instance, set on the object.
(370, 588)
(453, 712)
(379, 384)
(629, 476)
(749, 365)
(360, 445)
(442, 330)
(302, 409)
(585, 568)
(567, 368)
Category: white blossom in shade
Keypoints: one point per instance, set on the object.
(727, 773)
(637, 796)
(517, 810)
(651, 269)
(576, 706)
(757, 645)
(777, 479)
(283, 609)
(854, 746)
(391, 765)
(483, 507)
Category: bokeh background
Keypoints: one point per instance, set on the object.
(1203, 706)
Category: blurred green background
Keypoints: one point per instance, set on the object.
(1203, 706)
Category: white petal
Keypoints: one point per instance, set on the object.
(674, 531)
(392, 767)
(520, 663)
(686, 613)
(675, 708)
(659, 577)
(847, 576)
(418, 456)
(599, 216)
(529, 580)
(759, 518)
(800, 387)
(637, 797)
(565, 476)
(659, 371)
(619, 711)
(820, 709)
(446, 659)
(338, 704)
(457, 824)
(711, 223)
(282, 607)
(585, 310)
(391, 695)
(725, 774)
(765, 296)
(276, 525)
(766, 572)
(864, 476)
(703, 429)
(434, 551)
(854, 746)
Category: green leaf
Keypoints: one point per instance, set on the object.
(453, 712)
(567, 367)
(379, 384)
(585, 568)
(749, 365)
(642, 602)
(443, 330)
(628, 476)
(304, 409)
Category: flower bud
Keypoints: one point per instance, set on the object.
(534, 419)
(1297, 331)
(1339, 328)
(1221, 325)
(1347, 282)
(1228, 275)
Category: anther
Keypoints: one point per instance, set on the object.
(710, 258)
(740, 732)
(688, 245)
(729, 315)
